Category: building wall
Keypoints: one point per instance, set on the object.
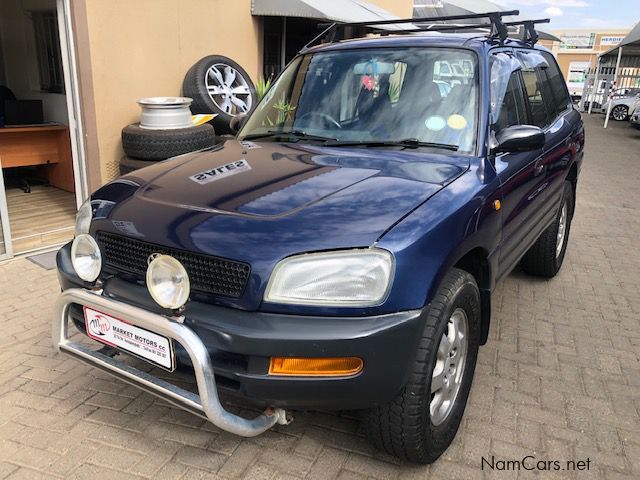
(19, 56)
(143, 48)
(567, 55)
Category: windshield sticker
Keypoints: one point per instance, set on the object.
(435, 123)
(249, 145)
(221, 172)
(457, 122)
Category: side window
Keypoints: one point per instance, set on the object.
(513, 110)
(557, 84)
(541, 101)
(507, 101)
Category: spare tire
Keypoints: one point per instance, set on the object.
(219, 85)
(147, 144)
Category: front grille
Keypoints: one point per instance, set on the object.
(206, 273)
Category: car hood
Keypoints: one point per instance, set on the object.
(261, 202)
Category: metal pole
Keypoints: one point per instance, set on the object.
(594, 91)
(615, 81)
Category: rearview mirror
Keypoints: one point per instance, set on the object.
(236, 123)
(519, 138)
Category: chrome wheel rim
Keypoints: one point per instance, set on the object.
(228, 89)
(619, 113)
(448, 371)
(562, 230)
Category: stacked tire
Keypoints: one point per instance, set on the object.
(143, 146)
(219, 86)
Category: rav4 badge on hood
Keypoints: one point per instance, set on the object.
(221, 172)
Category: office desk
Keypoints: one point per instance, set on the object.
(44, 146)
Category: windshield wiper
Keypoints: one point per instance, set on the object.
(405, 143)
(289, 134)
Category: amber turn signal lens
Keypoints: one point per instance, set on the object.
(315, 367)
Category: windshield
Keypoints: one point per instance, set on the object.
(412, 95)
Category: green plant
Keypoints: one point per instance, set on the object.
(262, 86)
(284, 109)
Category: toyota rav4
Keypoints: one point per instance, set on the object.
(341, 251)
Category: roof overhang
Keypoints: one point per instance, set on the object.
(333, 10)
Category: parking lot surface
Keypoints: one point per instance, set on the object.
(558, 380)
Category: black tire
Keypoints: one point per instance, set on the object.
(620, 113)
(404, 426)
(542, 259)
(128, 165)
(194, 86)
(153, 145)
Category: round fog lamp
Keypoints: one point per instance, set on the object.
(86, 258)
(168, 282)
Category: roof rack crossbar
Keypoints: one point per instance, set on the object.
(496, 27)
(530, 34)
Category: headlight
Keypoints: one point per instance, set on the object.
(168, 282)
(83, 218)
(350, 278)
(86, 258)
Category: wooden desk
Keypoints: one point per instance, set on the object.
(45, 146)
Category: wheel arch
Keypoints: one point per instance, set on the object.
(572, 177)
(476, 262)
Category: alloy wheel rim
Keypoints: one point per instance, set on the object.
(562, 230)
(448, 371)
(619, 113)
(228, 89)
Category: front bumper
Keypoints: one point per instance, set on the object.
(206, 403)
(240, 344)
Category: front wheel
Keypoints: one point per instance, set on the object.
(422, 421)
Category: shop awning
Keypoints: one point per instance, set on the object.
(333, 10)
(630, 44)
(444, 8)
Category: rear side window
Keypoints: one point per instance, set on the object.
(557, 83)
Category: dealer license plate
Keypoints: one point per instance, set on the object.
(142, 343)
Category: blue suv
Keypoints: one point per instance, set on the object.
(341, 251)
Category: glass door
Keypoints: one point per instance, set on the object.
(5, 234)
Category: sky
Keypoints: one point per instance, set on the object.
(580, 13)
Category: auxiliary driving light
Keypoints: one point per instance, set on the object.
(168, 282)
(315, 367)
(85, 257)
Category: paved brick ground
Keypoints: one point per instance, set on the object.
(559, 378)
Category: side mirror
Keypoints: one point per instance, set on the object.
(237, 123)
(519, 138)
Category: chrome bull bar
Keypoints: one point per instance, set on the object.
(205, 404)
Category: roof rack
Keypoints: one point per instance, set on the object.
(496, 27)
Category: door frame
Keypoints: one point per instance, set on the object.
(5, 229)
(72, 91)
(74, 113)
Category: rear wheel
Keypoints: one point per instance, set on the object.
(545, 257)
(422, 421)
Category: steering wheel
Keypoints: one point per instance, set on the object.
(326, 117)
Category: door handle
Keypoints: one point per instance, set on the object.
(538, 167)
